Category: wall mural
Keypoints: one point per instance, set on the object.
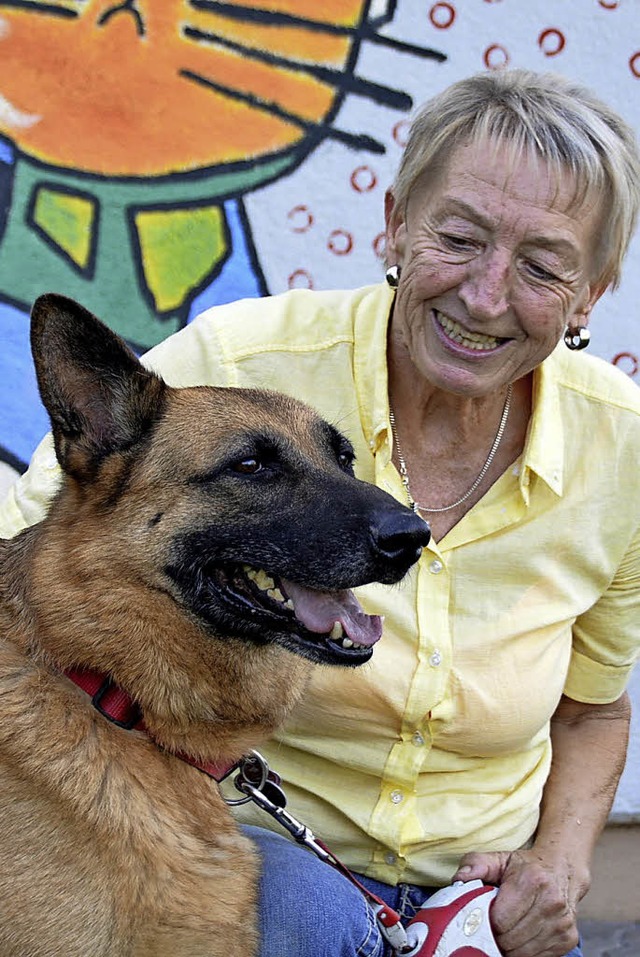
(132, 133)
(161, 156)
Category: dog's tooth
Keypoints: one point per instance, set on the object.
(347, 643)
(264, 581)
(289, 605)
(275, 594)
(337, 631)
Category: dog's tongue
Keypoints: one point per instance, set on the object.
(318, 611)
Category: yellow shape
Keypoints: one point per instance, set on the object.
(68, 220)
(180, 249)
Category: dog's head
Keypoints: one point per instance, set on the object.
(239, 507)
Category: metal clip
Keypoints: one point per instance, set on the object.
(300, 832)
(251, 769)
(262, 786)
(390, 927)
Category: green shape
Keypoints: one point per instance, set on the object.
(180, 248)
(67, 220)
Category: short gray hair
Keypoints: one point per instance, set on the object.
(542, 115)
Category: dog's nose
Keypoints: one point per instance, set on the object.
(400, 536)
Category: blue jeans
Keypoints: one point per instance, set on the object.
(309, 909)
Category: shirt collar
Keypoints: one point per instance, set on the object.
(544, 446)
(370, 362)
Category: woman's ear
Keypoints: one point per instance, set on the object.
(593, 292)
(395, 229)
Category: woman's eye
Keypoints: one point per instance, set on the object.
(458, 243)
(247, 466)
(539, 272)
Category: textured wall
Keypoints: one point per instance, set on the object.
(158, 156)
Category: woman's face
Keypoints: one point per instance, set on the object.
(496, 258)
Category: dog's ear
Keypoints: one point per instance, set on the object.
(99, 397)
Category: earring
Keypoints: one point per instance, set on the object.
(577, 338)
(392, 276)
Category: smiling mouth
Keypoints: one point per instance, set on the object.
(476, 341)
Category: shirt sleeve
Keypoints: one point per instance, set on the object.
(28, 498)
(193, 356)
(606, 638)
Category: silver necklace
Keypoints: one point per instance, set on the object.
(404, 475)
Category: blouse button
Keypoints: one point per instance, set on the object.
(436, 658)
(390, 858)
(397, 797)
(436, 566)
(417, 739)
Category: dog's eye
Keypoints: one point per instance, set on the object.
(346, 460)
(247, 466)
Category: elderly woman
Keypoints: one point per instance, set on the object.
(488, 735)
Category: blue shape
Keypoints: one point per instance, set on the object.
(240, 277)
(23, 419)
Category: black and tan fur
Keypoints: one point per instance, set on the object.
(110, 845)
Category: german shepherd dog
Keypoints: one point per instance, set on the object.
(199, 555)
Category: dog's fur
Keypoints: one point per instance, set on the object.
(111, 845)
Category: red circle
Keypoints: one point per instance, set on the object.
(466, 951)
(303, 216)
(380, 245)
(340, 242)
(634, 64)
(557, 35)
(363, 179)
(635, 364)
(400, 131)
(448, 9)
(489, 56)
(300, 274)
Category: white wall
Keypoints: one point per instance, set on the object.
(627, 803)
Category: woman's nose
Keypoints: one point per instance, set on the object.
(485, 290)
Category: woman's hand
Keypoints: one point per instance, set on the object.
(534, 913)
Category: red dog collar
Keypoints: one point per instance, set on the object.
(117, 706)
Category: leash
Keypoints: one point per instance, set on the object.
(270, 797)
(453, 922)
